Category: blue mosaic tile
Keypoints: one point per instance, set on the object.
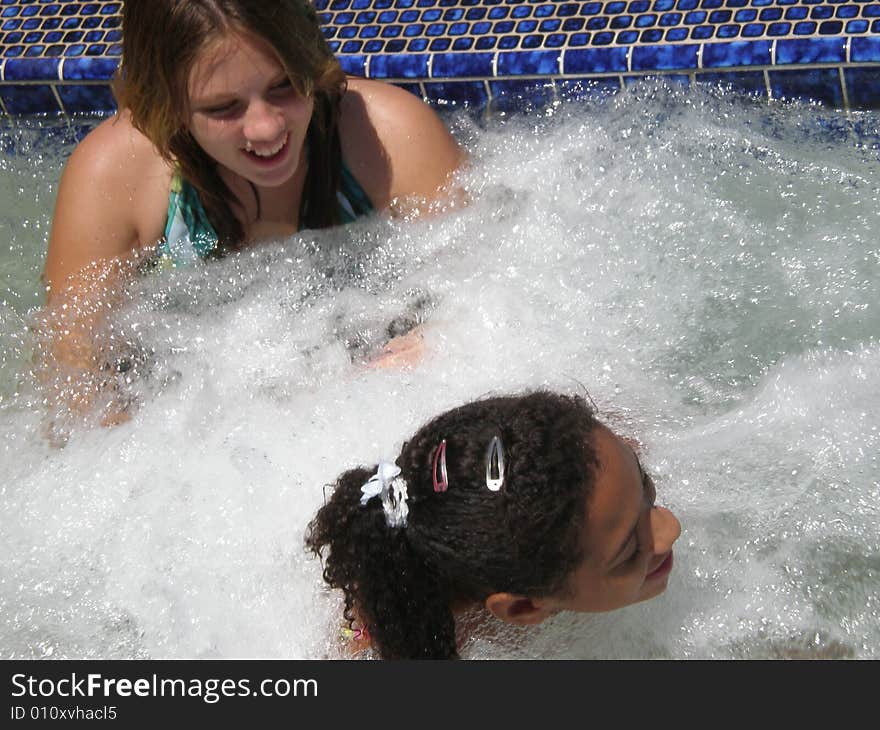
(736, 53)
(463, 93)
(830, 27)
(658, 58)
(806, 28)
(863, 87)
(86, 98)
(523, 63)
(399, 66)
(595, 61)
(734, 33)
(29, 99)
(356, 65)
(778, 29)
(36, 69)
(862, 50)
(821, 85)
(745, 16)
(451, 64)
(815, 50)
(769, 14)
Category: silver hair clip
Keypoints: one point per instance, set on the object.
(495, 464)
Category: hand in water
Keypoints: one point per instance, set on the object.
(405, 351)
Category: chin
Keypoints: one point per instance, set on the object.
(652, 593)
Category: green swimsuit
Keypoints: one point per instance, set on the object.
(189, 235)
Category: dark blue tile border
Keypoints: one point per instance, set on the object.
(863, 87)
(415, 42)
(89, 69)
(457, 93)
(31, 69)
(399, 66)
(818, 84)
(748, 82)
(86, 98)
(812, 50)
(529, 63)
(737, 53)
(450, 65)
(678, 79)
(865, 50)
(521, 95)
(595, 61)
(661, 58)
(29, 99)
(587, 88)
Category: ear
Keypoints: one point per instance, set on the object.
(519, 610)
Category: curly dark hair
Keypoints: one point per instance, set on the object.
(468, 542)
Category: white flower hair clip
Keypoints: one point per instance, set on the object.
(391, 487)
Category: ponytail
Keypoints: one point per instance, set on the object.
(388, 587)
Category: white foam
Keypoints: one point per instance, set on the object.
(705, 268)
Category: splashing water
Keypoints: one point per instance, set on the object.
(704, 265)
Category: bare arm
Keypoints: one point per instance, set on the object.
(104, 209)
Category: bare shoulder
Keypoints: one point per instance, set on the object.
(111, 199)
(115, 154)
(395, 143)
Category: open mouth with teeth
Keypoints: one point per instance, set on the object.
(269, 154)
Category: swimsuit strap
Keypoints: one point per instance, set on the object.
(353, 201)
(189, 235)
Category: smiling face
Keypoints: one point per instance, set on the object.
(245, 113)
(627, 540)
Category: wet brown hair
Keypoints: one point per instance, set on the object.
(162, 40)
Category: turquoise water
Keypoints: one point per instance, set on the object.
(705, 266)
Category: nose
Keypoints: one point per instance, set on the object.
(665, 529)
(263, 122)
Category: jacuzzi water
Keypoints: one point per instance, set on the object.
(704, 265)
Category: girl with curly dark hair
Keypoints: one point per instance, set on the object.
(526, 505)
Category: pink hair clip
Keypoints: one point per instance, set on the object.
(440, 485)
